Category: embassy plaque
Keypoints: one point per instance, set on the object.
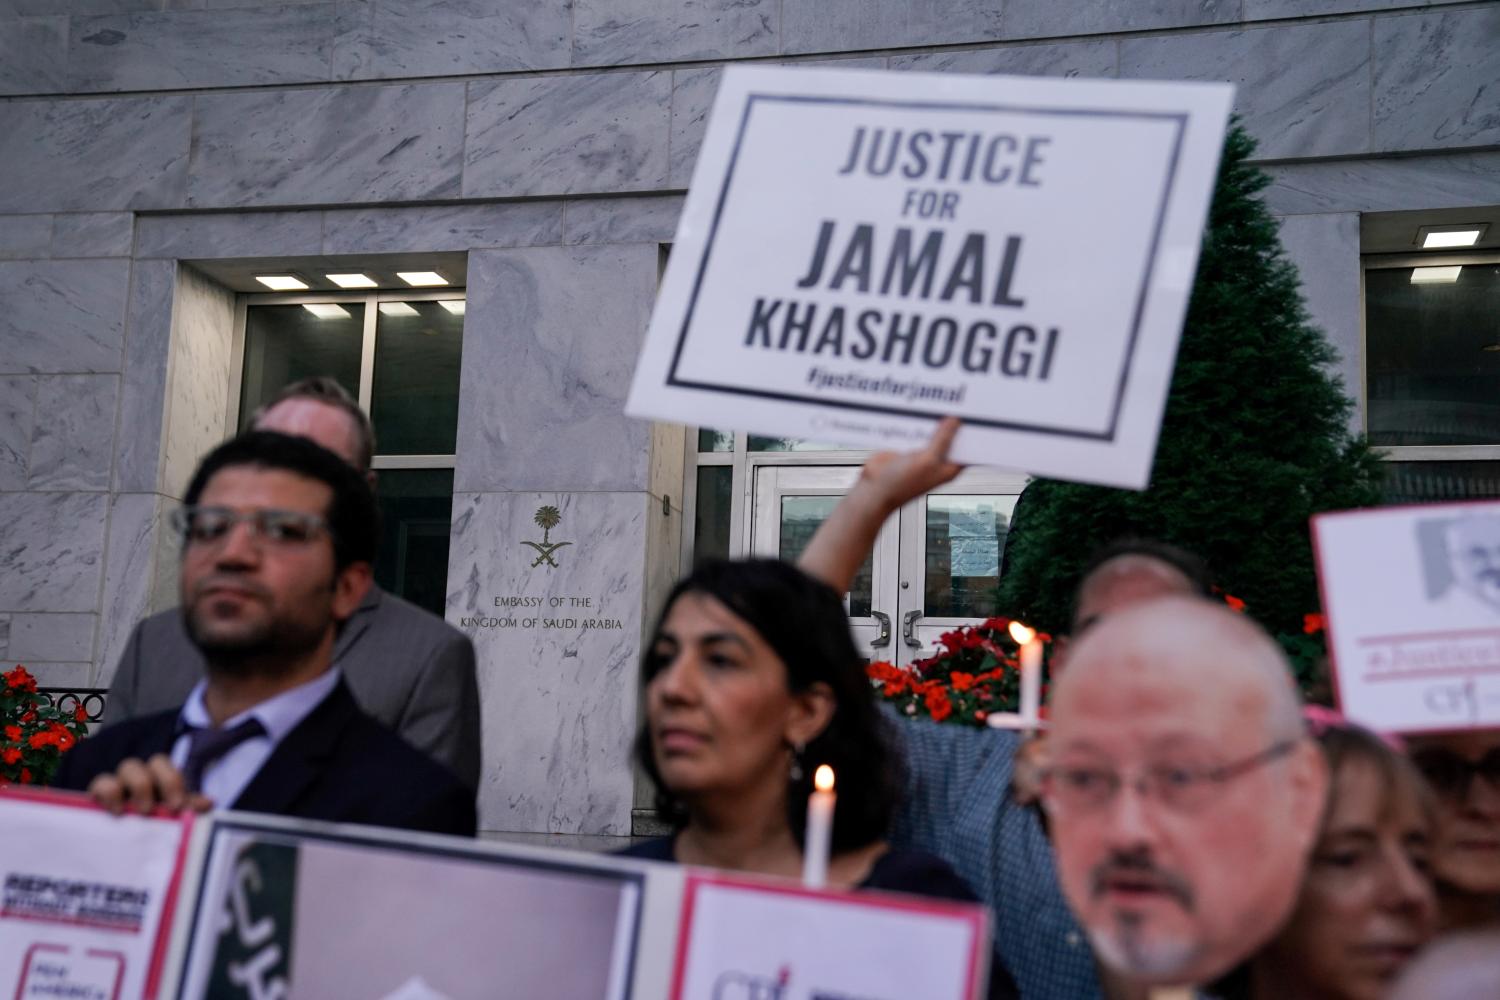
(862, 253)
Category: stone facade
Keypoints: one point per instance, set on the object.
(551, 141)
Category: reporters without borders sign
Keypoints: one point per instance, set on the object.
(862, 253)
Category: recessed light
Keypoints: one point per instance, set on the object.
(397, 309)
(1449, 237)
(1435, 275)
(352, 280)
(455, 306)
(422, 279)
(326, 310)
(281, 282)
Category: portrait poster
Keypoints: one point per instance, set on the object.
(1412, 600)
(86, 898)
(299, 910)
(745, 938)
(862, 253)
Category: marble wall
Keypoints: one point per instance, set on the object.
(551, 141)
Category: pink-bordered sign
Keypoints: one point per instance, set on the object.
(133, 864)
(1411, 596)
(778, 941)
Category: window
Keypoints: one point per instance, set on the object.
(1432, 374)
(398, 353)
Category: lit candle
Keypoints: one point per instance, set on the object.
(1031, 671)
(819, 829)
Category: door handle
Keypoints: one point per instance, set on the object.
(908, 629)
(884, 638)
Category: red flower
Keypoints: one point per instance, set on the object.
(961, 681)
(1234, 602)
(1313, 624)
(981, 715)
(938, 705)
(10, 755)
(30, 716)
(25, 775)
(42, 739)
(20, 679)
(13, 733)
(80, 714)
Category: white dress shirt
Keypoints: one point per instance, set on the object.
(225, 779)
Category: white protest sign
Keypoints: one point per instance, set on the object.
(86, 898)
(743, 939)
(289, 909)
(1412, 600)
(862, 253)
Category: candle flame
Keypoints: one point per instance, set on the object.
(1021, 633)
(823, 778)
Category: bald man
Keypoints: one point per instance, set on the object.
(1460, 967)
(1183, 791)
(959, 802)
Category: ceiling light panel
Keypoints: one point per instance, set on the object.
(326, 310)
(455, 306)
(1435, 275)
(397, 309)
(352, 280)
(1451, 237)
(281, 282)
(422, 279)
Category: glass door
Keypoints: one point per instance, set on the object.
(951, 544)
(935, 567)
(789, 503)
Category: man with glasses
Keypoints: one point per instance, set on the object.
(407, 667)
(1464, 768)
(1183, 793)
(278, 537)
(969, 796)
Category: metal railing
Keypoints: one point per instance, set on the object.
(68, 700)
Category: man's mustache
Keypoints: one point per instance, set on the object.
(1137, 866)
(236, 581)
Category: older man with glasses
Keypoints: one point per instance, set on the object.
(278, 535)
(1183, 792)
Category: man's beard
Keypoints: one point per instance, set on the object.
(1127, 944)
(271, 645)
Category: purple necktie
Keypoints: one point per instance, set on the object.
(207, 745)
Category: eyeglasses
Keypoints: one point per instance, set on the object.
(1180, 787)
(1451, 775)
(210, 525)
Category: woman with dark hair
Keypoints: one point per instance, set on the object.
(1367, 904)
(753, 682)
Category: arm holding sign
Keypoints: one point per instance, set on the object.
(890, 479)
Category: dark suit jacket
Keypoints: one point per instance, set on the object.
(338, 765)
(408, 668)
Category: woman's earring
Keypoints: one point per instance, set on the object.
(796, 772)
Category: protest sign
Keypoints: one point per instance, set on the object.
(87, 897)
(1412, 599)
(862, 253)
(745, 939)
(293, 909)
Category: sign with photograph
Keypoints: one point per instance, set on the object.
(862, 253)
(86, 898)
(294, 909)
(744, 939)
(1412, 599)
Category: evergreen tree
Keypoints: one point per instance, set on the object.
(1254, 439)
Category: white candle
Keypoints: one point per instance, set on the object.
(819, 829)
(1031, 671)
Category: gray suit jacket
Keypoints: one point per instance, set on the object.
(408, 668)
